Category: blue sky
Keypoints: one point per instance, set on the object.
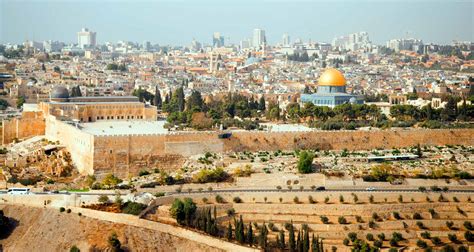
(178, 22)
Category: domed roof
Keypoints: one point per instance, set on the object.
(332, 77)
(59, 93)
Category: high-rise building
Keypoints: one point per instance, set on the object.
(258, 38)
(286, 39)
(217, 40)
(86, 38)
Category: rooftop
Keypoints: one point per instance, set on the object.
(109, 128)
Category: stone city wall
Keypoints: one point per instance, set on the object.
(30, 124)
(77, 142)
(351, 140)
(128, 154)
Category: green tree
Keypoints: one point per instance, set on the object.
(20, 101)
(450, 111)
(249, 237)
(305, 162)
(177, 211)
(261, 104)
(114, 242)
(291, 238)
(157, 98)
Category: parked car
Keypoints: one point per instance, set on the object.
(320, 188)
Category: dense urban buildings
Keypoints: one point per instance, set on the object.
(255, 142)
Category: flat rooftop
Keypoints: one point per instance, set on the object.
(132, 127)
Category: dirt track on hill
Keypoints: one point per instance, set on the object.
(49, 230)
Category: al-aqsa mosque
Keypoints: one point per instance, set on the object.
(331, 91)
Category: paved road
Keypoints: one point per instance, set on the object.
(268, 190)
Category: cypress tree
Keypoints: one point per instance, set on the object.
(157, 99)
(249, 237)
(229, 232)
(282, 239)
(299, 242)
(305, 240)
(321, 248)
(314, 245)
(291, 238)
(180, 99)
(261, 104)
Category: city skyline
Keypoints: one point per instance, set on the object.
(178, 25)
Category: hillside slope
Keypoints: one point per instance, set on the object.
(49, 230)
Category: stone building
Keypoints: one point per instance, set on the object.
(331, 91)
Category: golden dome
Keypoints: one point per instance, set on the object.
(332, 77)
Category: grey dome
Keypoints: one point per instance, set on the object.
(352, 100)
(59, 93)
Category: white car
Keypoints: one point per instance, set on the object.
(370, 189)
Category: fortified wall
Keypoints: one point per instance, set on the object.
(124, 155)
(30, 124)
(77, 142)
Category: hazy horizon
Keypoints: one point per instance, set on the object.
(178, 22)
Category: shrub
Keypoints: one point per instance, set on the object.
(143, 173)
(134, 208)
(381, 236)
(417, 216)
(341, 198)
(420, 225)
(371, 199)
(62, 209)
(230, 212)
(346, 242)
(421, 244)
(204, 200)
(280, 199)
(311, 200)
(435, 188)
(342, 220)
(359, 219)
(400, 198)
(468, 225)
(378, 243)
(296, 200)
(375, 216)
(74, 248)
(372, 224)
(80, 214)
(426, 235)
(396, 215)
(469, 236)
(159, 194)
(103, 199)
(453, 238)
(422, 189)
(370, 237)
(352, 236)
(278, 188)
(455, 199)
(219, 199)
(436, 241)
(68, 210)
(114, 242)
(450, 224)
(237, 200)
(326, 200)
(393, 243)
(214, 175)
(324, 219)
(432, 212)
(397, 236)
